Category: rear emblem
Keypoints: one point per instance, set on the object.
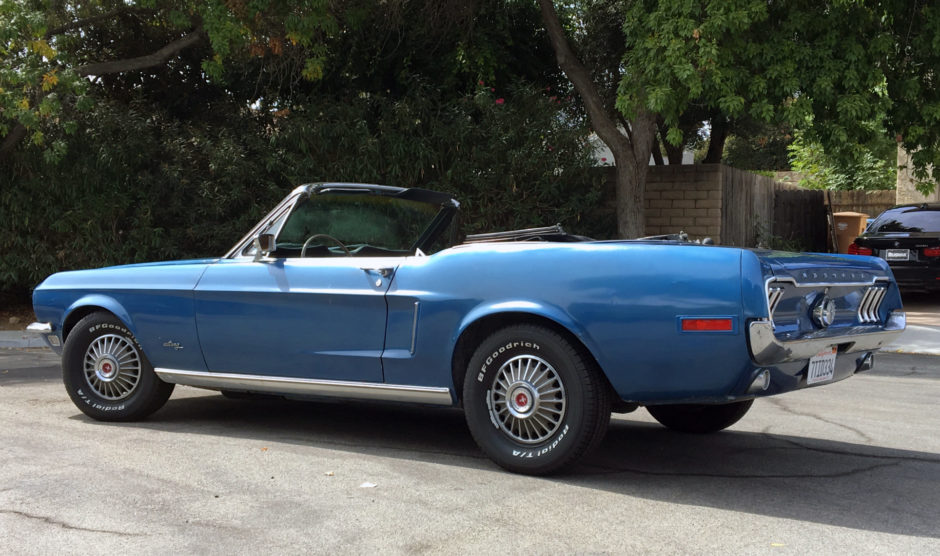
(824, 313)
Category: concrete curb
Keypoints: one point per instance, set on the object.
(919, 339)
(20, 339)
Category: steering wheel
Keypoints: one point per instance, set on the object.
(303, 251)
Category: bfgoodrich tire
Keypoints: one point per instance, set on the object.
(533, 402)
(107, 374)
(700, 418)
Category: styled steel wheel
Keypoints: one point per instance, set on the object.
(527, 400)
(112, 367)
(107, 374)
(534, 402)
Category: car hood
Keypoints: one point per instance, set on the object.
(158, 275)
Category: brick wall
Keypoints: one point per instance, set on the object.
(871, 203)
(731, 206)
(684, 198)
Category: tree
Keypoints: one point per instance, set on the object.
(50, 53)
(174, 160)
(630, 142)
(840, 71)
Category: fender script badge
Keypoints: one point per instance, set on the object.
(172, 345)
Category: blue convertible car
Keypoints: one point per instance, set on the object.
(363, 292)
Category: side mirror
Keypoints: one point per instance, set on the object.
(264, 244)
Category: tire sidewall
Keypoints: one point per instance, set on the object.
(80, 391)
(499, 348)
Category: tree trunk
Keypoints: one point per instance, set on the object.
(11, 140)
(673, 153)
(630, 147)
(716, 142)
(632, 168)
(657, 153)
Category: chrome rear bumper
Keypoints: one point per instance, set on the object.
(767, 349)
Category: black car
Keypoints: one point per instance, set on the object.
(908, 237)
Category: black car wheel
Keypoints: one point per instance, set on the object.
(106, 372)
(533, 402)
(699, 418)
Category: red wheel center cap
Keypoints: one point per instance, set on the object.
(106, 368)
(522, 400)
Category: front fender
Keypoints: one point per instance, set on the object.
(97, 300)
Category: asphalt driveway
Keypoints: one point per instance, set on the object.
(850, 468)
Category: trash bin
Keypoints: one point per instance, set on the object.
(849, 225)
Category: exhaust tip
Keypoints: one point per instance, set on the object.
(865, 362)
(760, 383)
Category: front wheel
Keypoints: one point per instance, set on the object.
(533, 403)
(107, 374)
(699, 418)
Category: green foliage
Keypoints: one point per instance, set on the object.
(511, 157)
(134, 185)
(828, 68)
(865, 169)
(137, 184)
(33, 84)
(759, 147)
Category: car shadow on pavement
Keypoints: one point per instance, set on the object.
(815, 480)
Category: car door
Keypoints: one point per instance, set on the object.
(320, 318)
(303, 294)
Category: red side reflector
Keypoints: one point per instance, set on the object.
(855, 249)
(707, 325)
(932, 252)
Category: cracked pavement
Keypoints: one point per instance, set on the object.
(848, 468)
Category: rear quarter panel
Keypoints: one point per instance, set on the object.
(622, 300)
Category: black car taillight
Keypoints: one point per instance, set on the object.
(856, 249)
(932, 252)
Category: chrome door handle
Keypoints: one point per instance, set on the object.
(383, 272)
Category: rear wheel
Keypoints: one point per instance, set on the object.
(533, 402)
(107, 374)
(699, 418)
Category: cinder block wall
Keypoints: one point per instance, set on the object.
(684, 198)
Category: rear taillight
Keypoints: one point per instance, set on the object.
(856, 249)
(932, 252)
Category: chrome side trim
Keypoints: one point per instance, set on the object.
(766, 349)
(871, 304)
(39, 328)
(307, 386)
(875, 280)
(773, 299)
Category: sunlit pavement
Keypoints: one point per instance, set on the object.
(848, 468)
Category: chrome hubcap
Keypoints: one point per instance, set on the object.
(527, 400)
(112, 367)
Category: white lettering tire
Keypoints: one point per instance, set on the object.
(106, 372)
(533, 402)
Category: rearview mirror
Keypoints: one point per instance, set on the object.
(264, 244)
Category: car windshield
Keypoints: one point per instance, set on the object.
(355, 223)
(908, 219)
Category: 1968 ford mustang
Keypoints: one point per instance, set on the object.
(359, 291)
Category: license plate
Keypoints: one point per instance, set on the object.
(821, 367)
(897, 254)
